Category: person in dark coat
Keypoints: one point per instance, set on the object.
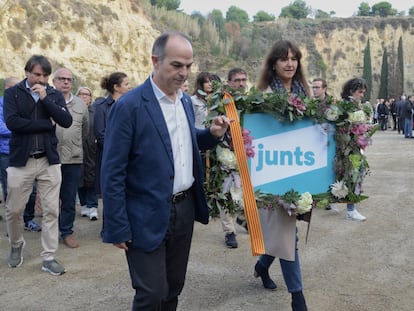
(152, 176)
(32, 108)
(88, 198)
(116, 84)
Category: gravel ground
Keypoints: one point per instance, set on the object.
(346, 265)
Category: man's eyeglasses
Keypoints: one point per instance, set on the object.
(316, 87)
(63, 79)
(84, 94)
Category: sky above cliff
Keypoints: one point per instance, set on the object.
(342, 9)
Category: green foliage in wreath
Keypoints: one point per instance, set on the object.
(351, 119)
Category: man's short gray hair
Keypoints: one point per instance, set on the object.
(158, 49)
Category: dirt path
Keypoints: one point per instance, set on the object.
(346, 266)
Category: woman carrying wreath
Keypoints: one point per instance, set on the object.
(282, 73)
(353, 91)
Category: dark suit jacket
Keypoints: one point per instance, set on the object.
(137, 172)
(102, 106)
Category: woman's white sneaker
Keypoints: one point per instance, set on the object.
(354, 215)
(84, 211)
(93, 213)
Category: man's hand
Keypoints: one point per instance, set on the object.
(219, 126)
(122, 245)
(40, 90)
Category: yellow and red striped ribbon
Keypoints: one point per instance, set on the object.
(250, 208)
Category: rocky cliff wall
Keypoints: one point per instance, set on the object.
(92, 38)
(342, 51)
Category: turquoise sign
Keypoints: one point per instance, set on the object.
(290, 155)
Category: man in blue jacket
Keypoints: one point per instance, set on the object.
(152, 180)
(31, 110)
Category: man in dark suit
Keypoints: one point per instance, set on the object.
(152, 180)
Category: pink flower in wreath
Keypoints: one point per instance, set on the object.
(363, 141)
(297, 103)
(359, 129)
(248, 143)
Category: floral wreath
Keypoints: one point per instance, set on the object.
(353, 134)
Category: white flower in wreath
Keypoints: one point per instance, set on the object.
(332, 113)
(339, 189)
(232, 185)
(227, 158)
(304, 204)
(236, 194)
(357, 117)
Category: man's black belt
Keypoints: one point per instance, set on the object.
(38, 155)
(179, 196)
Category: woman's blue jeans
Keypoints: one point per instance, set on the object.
(408, 127)
(88, 197)
(290, 269)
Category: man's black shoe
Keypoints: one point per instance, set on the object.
(230, 240)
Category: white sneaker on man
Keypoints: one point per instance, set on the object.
(93, 213)
(84, 211)
(355, 215)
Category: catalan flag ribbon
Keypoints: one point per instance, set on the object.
(250, 208)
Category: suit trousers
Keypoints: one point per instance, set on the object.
(19, 187)
(158, 276)
(71, 174)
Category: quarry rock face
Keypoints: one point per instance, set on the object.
(92, 38)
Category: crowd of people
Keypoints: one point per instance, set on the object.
(48, 156)
(396, 115)
(57, 144)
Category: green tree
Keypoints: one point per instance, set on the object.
(199, 17)
(263, 16)
(298, 10)
(411, 11)
(383, 9)
(169, 5)
(364, 9)
(235, 14)
(400, 61)
(383, 89)
(367, 71)
(322, 14)
(217, 18)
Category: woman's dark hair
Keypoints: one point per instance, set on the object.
(202, 77)
(215, 77)
(352, 86)
(280, 50)
(108, 82)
